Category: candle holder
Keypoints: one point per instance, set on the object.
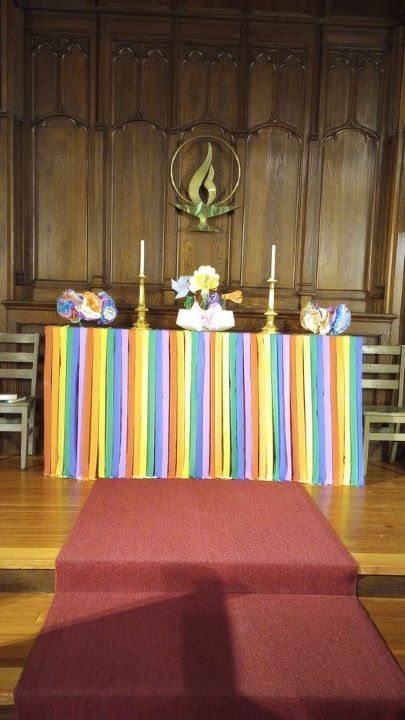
(141, 310)
(270, 328)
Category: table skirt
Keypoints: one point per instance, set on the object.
(168, 403)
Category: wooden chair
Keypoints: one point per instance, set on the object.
(384, 372)
(21, 367)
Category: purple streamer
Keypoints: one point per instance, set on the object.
(200, 406)
(158, 405)
(321, 410)
(124, 402)
(165, 401)
(248, 405)
(327, 412)
(82, 364)
(287, 405)
(240, 415)
(117, 403)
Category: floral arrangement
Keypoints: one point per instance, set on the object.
(203, 284)
(325, 321)
(87, 306)
(204, 308)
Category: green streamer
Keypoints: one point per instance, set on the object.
(353, 414)
(193, 404)
(315, 435)
(68, 401)
(233, 405)
(274, 397)
(109, 429)
(150, 451)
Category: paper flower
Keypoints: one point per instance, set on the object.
(204, 280)
(181, 286)
(341, 320)
(325, 321)
(87, 306)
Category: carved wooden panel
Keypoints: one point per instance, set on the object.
(273, 167)
(347, 201)
(208, 86)
(60, 77)
(353, 112)
(277, 87)
(271, 205)
(140, 83)
(137, 201)
(60, 151)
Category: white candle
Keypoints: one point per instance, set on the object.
(142, 258)
(273, 262)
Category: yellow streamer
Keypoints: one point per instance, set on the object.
(95, 398)
(226, 420)
(187, 402)
(143, 437)
(340, 380)
(55, 398)
(347, 444)
(180, 404)
(218, 405)
(62, 400)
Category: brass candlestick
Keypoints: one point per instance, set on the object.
(270, 313)
(141, 310)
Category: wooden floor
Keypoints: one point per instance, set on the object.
(37, 512)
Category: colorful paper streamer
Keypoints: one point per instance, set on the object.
(160, 403)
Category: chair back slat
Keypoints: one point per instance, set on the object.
(10, 357)
(382, 349)
(384, 368)
(19, 338)
(378, 384)
(15, 374)
(389, 360)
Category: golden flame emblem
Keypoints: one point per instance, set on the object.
(202, 190)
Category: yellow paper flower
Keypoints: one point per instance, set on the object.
(204, 279)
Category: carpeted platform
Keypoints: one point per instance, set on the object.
(193, 648)
(158, 535)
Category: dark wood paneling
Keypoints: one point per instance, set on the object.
(307, 92)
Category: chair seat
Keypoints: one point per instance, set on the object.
(13, 405)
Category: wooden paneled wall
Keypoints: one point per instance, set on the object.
(96, 96)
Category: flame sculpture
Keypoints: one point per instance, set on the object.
(202, 185)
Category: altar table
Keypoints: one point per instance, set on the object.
(169, 403)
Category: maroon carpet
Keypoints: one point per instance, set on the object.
(207, 600)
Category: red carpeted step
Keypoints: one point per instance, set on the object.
(209, 656)
(163, 535)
